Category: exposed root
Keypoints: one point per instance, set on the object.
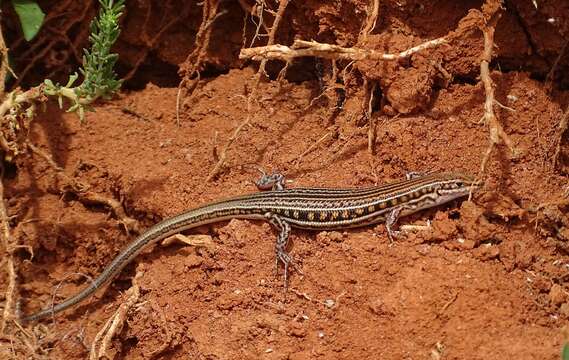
(328, 303)
(223, 153)
(17, 100)
(174, 13)
(113, 326)
(4, 66)
(313, 146)
(330, 86)
(497, 134)
(86, 196)
(59, 285)
(258, 10)
(367, 106)
(21, 343)
(371, 21)
(252, 96)
(415, 228)
(504, 106)
(281, 76)
(15, 341)
(11, 296)
(563, 124)
(195, 59)
(447, 304)
(347, 75)
(369, 88)
(551, 74)
(301, 48)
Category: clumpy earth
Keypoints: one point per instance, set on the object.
(487, 279)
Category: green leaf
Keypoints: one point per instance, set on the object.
(31, 17)
(565, 352)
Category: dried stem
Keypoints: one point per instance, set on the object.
(252, 96)
(497, 134)
(301, 48)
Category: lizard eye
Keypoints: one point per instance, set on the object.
(460, 184)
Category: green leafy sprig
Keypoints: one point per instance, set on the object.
(98, 63)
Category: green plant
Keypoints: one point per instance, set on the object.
(98, 63)
(565, 352)
(99, 80)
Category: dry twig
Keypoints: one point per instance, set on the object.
(223, 154)
(497, 134)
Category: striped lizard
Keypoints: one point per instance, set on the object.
(304, 208)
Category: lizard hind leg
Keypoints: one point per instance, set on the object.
(281, 255)
(390, 221)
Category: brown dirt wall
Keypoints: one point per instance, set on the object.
(487, 281)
